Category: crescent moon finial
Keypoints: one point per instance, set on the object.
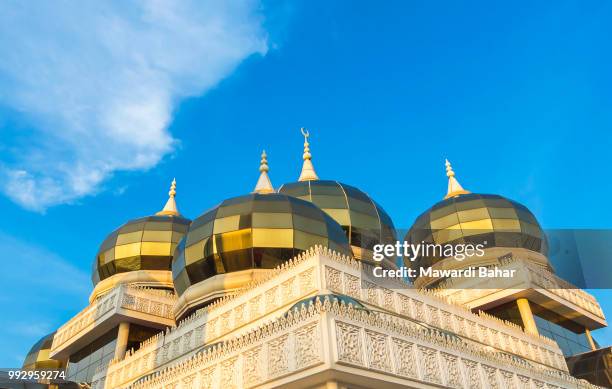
(308, 172)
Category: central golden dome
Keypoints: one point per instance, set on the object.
(364, 221)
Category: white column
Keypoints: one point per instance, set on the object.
(122, 339)
(587, 332)
(527, 316)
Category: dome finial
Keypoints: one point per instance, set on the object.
(170, 208)
(308, 173)
(454, 187)
(264, 185)
(172, 191)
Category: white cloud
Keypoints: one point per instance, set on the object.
(99, 80)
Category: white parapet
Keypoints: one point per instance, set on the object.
(250, 324)
(122, 303)
(327, 340)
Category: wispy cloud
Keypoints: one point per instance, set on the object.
(98, 81)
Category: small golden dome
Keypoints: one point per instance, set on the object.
(500, 224)
(476, 218)
(146, 243)
(38, 356)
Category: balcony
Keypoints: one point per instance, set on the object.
(124, 303)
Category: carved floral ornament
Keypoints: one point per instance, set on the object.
(207, 367)
(138, 298)
(275, 336)
(540, 277)
(514, 339)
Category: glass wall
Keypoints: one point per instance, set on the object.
(594, 366)
(83, 364)
(570, 337)
(139, 334)
(570, 342)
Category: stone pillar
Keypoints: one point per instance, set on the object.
(527, 316)
(587, 332)
(122, 339)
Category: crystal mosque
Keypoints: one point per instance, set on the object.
(274, 289)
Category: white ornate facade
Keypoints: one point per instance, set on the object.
(200, 304)
(406, 338)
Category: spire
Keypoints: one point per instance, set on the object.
(454, 187)
(264, 185)
(170, 208)
(308, 173)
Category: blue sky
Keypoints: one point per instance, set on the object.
(101, 105)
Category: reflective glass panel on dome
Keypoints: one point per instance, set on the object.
(474, 218)
(38, 356)
(255, 231)
(142, 244)
(364, 222)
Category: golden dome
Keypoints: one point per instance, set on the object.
(255, 231)
(364, 221)
(146, 243)
(38, 356)
(239, 240)
(464, 217)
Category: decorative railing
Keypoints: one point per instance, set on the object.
(564, 289)
(539, 277)
(289, 347)
(441, 312)
(151, 301)
(277, 292)
(85, 319)
(154, 302)
(321, 269)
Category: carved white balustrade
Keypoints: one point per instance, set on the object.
(532, 281)
(252, 339)
(119, 304)
(331, 340)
